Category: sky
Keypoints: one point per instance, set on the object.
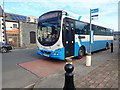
(108, 9)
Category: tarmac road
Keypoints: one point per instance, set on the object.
(14, 76)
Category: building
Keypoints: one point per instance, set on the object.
(20, 30)
(116, 35)
(2, 27)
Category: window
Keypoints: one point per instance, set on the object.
(103, 31)
(67, 26)
(32, 37)
(99, 30)
(28, 19)
(35, 20)
(14, 25)
(109, 32)
(94, 28)
(72, 26)
(48, 32)
(81, 28)
(84, 28)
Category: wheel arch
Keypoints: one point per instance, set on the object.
(81, 52)
(5, 47)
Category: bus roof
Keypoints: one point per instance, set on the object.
(81, 18)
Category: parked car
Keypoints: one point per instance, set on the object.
(5, 47)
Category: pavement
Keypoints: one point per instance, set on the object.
(102, 74)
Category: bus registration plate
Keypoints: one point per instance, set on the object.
(46, 55)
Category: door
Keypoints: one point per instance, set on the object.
(32, 37)
(68, 37)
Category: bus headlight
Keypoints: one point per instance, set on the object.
(56, 54)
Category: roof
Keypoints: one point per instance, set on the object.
(80, 18)
(15, 17)
(1, 11)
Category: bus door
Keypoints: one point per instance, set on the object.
(68, 37)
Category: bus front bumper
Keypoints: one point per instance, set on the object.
(57, 54)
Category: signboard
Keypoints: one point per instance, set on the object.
(94, 14)
(13, 31)
(49, 15)
(91, 36)
(94, 10)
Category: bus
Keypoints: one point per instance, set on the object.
(62, 35)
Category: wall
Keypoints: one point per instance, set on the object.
(10, 24)
(11, 28)
(25, 29)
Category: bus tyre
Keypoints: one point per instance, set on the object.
(107, 46)
(81, 52)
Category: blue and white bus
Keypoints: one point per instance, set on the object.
(62, 35)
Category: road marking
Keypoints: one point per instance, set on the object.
(30, 86)
(69, 57)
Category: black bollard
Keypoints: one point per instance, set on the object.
(111, 47)
(69, 77)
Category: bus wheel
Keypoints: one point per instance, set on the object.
(81, 52)
(107, 46)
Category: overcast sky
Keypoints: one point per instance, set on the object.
(108, 9)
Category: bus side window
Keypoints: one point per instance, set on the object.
(81, 27)
(67, 26)
(72, 26)
(109, 32)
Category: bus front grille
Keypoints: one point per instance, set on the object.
(45, 52)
